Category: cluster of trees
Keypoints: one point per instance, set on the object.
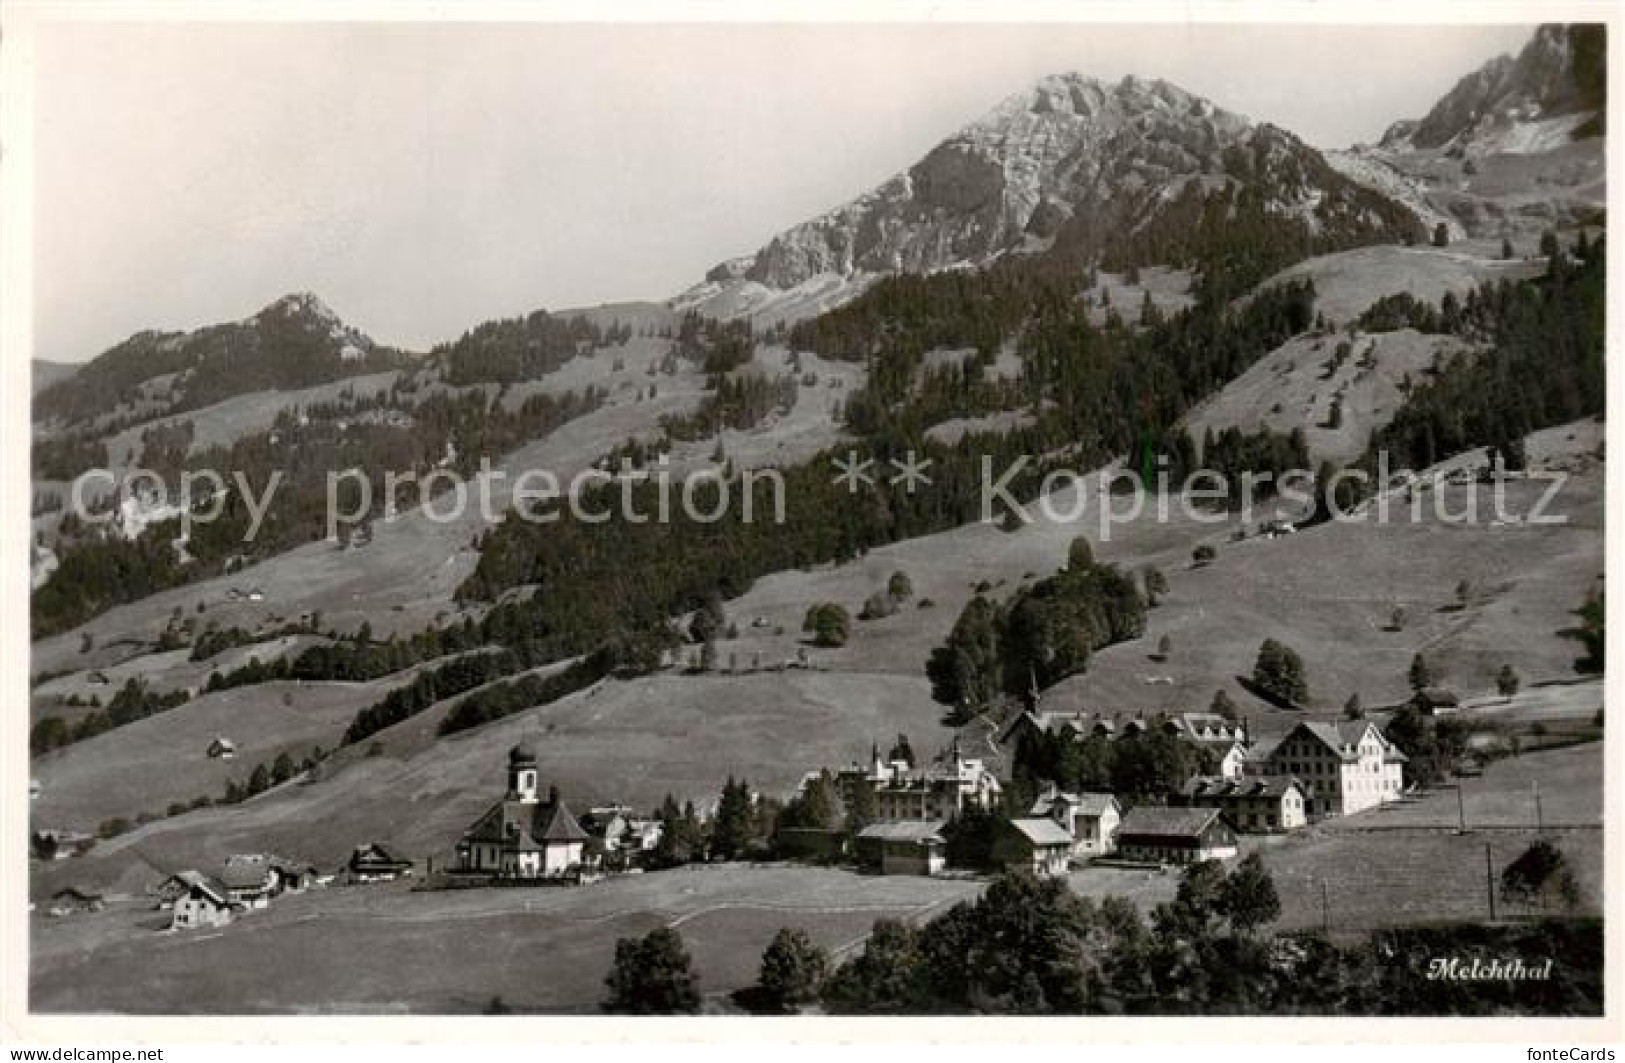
(464, 673)
(828, 623)
(1540, 875)
(1543, 365)
(432, 685)
(271, 352)
(719, 346)
(100, 568)
(266, 776)
(742, 826)
(1278, 674)
(1144, 765)
(1028, 946)
(1025, 946)
(737, 402)
(1590, 633)
(1236, 235)
(522, 348)
(134, 701)
(883, 603)
(1432, 744)
(1095, 392)
(506, 698)
(1046, 632)
(64, 456)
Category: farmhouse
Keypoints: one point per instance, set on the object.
(203, 901)
(73, 899)
(1175, 835)
(1264, 803)
(521, 836)
(249, 880)
(374, 863)
(1041, 846)
(291, 876)
(1345, 768)
(1089, 819)
(1436, 701)
(910, 848)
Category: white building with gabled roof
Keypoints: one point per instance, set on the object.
(1344, 767)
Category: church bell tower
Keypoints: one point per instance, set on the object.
(522, 773)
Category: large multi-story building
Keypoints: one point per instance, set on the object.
(1344, 767)
(901, 790)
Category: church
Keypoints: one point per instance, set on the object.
(522, 836)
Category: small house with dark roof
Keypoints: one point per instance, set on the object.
(1175, 835)
(908, 847)
(1436, 701)
(1258, 804)
(71, 899)
(373, 862)
(522, 836)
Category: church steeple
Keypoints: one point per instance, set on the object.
(522, 774)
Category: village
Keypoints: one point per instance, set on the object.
(896, 814)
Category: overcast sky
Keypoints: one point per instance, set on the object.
(422, 179)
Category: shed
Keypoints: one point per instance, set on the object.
(909, 847)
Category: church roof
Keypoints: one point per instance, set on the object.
(562, 825)
(530, 826)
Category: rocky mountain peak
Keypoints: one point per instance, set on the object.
(1501, 105)
(1010, 177)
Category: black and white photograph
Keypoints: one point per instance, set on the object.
(802, 518)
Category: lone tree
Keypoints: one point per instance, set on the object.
(652, 975)
(899, 588)
(1506, 248)
(1165, 647)
(1156, 584)
(1441, 235)
(1203, 555)
(1279, 673)
(1396, 619)
(1353, 709)
(793, 969)
(1420, 675)
(1539, 875)
(1248, 898)
(1223, 705)
(1589, 634)
(731, 831)
(828, 623)
(1506, 681)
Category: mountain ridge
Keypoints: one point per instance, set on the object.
(1557, 74)
(1070, 158)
